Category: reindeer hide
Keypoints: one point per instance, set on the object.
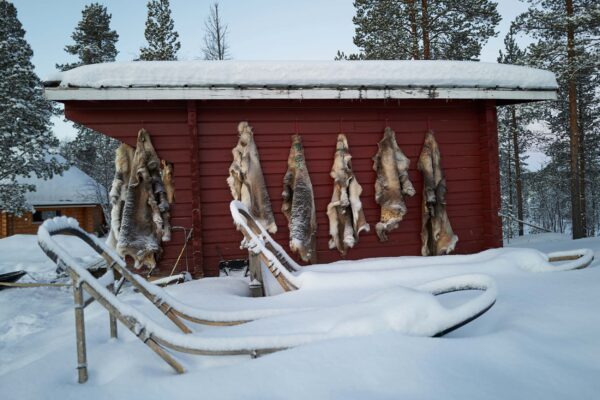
(437, 237)
(140, 215)
(392, 182)
(167, 179)
(299, 204)
(345, 213)
(246, 180)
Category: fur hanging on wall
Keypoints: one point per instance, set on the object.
(140, 214)
(437, 237)
(246, 180)
(392, 183)
(299, 204)
(345, 213)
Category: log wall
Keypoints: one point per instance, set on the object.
(465, 131)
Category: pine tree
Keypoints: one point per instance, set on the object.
(163, 43)
(425, 29)
(91, 151)
(94, 41)
(567, 34)
(216, 46)
(514, 140)
(25, 135)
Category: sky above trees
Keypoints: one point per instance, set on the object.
(258, 29)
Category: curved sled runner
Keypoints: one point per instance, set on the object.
(407, 311)
(288, 273)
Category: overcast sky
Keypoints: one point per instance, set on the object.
(258, 30)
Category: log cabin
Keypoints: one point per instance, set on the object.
(192, 110)
(73, 194)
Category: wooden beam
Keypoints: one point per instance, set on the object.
(192, 121)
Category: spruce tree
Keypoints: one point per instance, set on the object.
(422, 29)
(163, 43)
(567, 34)
(94, 41)
(91, 151)
(25, 135)
(216, 46)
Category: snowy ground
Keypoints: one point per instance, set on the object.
(540, 340)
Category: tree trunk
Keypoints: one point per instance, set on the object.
(412, 15)
(577, 225)
(582, 195)
(510, 190)
(425, 29)
(519, 187)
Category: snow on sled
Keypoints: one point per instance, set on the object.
(397, 309)
(405, 271)
(10, 277)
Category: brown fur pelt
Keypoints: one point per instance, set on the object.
(437, 237)
(299, 204)
(392, 183)
(140, 215)
(345, 213)
(168, 181)
(246, 180)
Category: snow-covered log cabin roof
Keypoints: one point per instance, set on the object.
(175, 80)
(73, 187)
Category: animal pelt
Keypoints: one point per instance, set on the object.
(167, 179)
(392, 183)
(299, 204)
(437, 237)
(140, 214)
(345, 213)
(246, 180)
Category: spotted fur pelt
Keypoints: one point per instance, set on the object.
(246, 180)
(299, 204)
(140, 215)
(392, 183)
(437, 237)
(345, 213)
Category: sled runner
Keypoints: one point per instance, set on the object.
(402, 310)
(11, 277)
(289, 274)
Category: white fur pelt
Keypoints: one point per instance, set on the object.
(392, 183)
(140, 214)
(437, 237)
(246, 180)
(299, 204)
(345, 213)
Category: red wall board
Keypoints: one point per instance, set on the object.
(197, 136)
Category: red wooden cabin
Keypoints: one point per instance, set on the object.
(192, 110)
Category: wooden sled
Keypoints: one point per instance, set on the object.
(286, 271)
(10, 277)
(159, 339)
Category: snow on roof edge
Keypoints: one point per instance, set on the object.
(305, 74)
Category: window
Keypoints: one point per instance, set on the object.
(41, 216)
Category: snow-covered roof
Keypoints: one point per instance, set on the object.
(300, 79)
(73, 187)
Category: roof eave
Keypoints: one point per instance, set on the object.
(239, 93)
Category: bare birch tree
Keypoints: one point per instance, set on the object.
(215, 36)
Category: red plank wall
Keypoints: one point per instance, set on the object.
(465, 130)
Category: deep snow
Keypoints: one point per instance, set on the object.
(540, 340)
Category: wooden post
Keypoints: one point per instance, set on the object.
(111, 318)
(80, 333)
(256, 281)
